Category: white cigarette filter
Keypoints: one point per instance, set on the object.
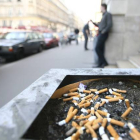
(114, 93)
(103, 134)
(97, 105)
(92, 118)
(133, 129)
(101, 91)
(116, 122)
(84, 110)
(118, 90)
(70, 94)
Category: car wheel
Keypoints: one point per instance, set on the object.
(40, 49)
(19, 54)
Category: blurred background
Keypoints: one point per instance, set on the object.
(28, 27)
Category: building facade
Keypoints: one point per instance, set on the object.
(124, 39)
(51, 14)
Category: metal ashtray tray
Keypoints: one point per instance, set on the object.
(118, 111)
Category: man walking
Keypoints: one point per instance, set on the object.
(104, 28)
(76, 35)
(86, 33)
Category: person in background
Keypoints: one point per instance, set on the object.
(76, 35)
(86, 33)
(104, 28)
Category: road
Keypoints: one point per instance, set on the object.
(16, 76)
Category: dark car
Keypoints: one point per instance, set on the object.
(17, 43)
(50, 40)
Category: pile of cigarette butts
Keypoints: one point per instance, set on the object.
(92, 120)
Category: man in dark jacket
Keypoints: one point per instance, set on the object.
(104, 28)
(86, 33)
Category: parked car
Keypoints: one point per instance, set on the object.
(17, 43)
(50, 40)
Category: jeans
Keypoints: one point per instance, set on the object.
(95, 56)
(100, 48)
(86, 41)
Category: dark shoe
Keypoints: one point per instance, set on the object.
(86, 49)
(103, 65)
(96, 66)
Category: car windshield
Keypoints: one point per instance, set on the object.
(47, 35)
(14, 36)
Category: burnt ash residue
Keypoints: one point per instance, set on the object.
(45, 128)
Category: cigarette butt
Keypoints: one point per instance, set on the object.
(72, 94)
(101, 91)
(108, 97)
(88, 111)
(81, 102)
(113, 100)
(96, 126)
(83, 122)
(70, 115)
(103, 113)
(81, 105)
(87, 91)
(115, 93)
(104, 122)
(93, 90)
(134, 130)
(89, 122)
(116, 122)
(121, 91)
(85, 117)
(96, 97)
(92, 111)
(126, 112)
(89, 96)
(87, 104)
(120, 97)
(73, 90)
(67, 99)
(77, 117)
(89, 99)
(87, 131)
(74, 124)
(112, 131)
(97, 121)
(76, 135)
(134, 136)
(71, 131)
(97, 105)
(84, 105)
(103, 102)
(98, 115)
(127, 103)
(75, 102)
(70, 110)
(93, 134)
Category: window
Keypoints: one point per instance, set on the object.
(35, 36)
(14, 36)
(4, 22)
(20, 23)
(29, 36)
(10, 23)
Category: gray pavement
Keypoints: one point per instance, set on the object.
(16, 76)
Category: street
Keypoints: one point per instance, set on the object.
(17, 75)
